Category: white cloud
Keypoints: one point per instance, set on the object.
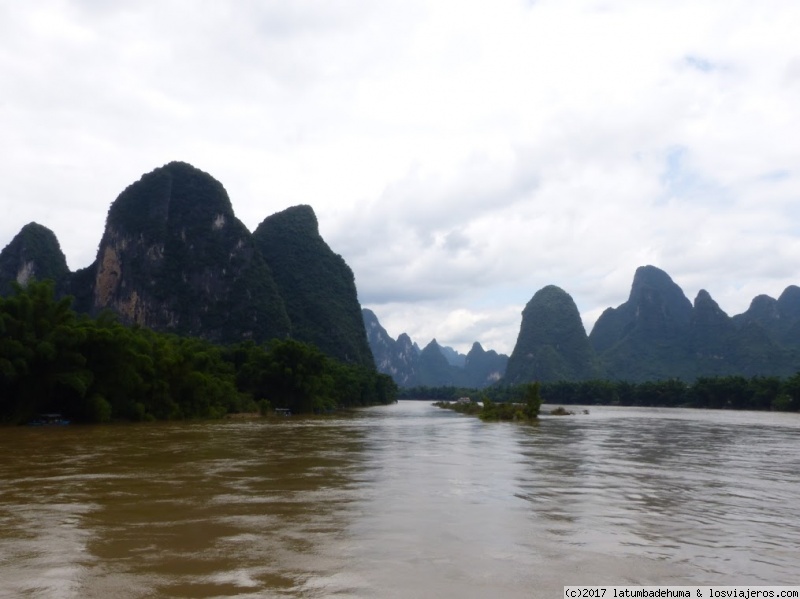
(459, 155)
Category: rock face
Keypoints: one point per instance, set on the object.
(175, 258)
(318, 287)
(405, 362)
(381, 344)
(552, 343)
(34, 253)
(397, 358)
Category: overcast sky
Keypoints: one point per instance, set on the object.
(460, 155)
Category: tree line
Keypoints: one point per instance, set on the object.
(523, 408)
(724, 392)
(97, 370)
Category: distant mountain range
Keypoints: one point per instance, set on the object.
(434, 365)
(656, 334)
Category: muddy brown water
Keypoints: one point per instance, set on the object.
(400, 501)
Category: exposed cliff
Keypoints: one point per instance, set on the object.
(34, 253)
(404, 368)
(380, 343)
(174, 257)
(397, 358)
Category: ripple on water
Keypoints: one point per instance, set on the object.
(400, 501)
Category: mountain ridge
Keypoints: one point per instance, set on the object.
(174, 257)
(434, 365)
(657, 333)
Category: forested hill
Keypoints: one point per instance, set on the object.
(656, 334)
(96, 370)
(174, 258)
(33, 254)
(318, 287)
(552, 343)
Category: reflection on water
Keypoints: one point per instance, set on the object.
(174, 510)
(399, 501)
(710, 494)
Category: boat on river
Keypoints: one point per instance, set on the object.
(51, 419)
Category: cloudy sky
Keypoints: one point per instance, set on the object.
(460, 155)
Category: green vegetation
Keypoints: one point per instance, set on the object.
(186, 262)
(174, 257)
(657, 334)
(523, 408)
(317, 286)
(724, 392)
(552, 343)
(96, 370)
(495, 393)
(441, 393)
(34, 252)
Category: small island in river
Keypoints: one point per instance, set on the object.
(525, 410)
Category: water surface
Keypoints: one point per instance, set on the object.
(400, 501)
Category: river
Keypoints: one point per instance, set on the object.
(398, 501)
